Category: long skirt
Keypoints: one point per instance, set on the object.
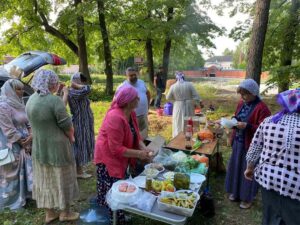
(104, 183)
(16, 180)
(54, 187)
(236, 183)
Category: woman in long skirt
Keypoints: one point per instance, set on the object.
(250, 112)
(83, 122)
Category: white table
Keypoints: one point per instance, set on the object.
(156, 214)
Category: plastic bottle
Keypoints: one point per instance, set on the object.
(188, 136)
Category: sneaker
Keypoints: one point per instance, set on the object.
(245, 205)
(231, 197)
(84, 175)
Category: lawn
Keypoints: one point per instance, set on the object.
(224, 99)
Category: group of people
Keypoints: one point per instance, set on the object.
(51, 148)
(48, 145)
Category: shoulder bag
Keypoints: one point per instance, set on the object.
(6, 156)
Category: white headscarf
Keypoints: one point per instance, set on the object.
(9, 95)
(179, 76)
(42, 80)
(76, 78)
(251, 86)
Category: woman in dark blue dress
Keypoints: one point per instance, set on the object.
(250, 112)
(83, 122)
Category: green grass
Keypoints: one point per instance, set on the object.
(227, 213)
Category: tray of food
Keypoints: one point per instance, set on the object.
(181, 202)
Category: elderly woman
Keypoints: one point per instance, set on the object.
(250, 112)
(185, 99)
(118, 143)
(15, 134)
(83, 122)
(54, 183)
(276, 146)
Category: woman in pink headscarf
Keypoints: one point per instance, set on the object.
(118, 144)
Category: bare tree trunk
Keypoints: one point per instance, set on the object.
(83, 59)
(106, 48)
(256, 46)
(167, 47)
(289, 44)
(150, 64)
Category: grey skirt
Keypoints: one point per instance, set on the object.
(54, 187)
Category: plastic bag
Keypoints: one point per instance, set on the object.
(145, 201)
(118, 200)
(165, 157)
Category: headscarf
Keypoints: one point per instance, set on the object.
(9, 95)
(42, 80)
(179, 76)
(289, 101)
(76, 78)
(123, 96)
(251, 86)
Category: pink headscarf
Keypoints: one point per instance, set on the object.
(123, 96)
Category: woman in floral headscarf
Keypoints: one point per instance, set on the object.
(185, 99)
(276, 146)
(83, 121)
(250, 112)
(55, 182)
(15, 134)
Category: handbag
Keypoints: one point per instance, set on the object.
(6, 156)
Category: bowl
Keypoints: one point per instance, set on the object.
(151, 172)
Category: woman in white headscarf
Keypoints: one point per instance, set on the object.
(83, 122)
(15, 134)
(55, 183)
(185, 99)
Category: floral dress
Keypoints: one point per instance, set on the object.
(16, 177)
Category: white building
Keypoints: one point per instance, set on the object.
(221, 62)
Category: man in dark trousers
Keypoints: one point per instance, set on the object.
(160, 86)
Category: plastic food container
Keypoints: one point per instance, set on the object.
(157, 166)
(180, 210)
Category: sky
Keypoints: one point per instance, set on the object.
(227, 22)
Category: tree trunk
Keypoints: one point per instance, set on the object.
(83, 59)
(167, 47)
(150, 65)
(256, 46)
(288, 45)
(106, 48)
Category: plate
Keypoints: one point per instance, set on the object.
(169, 175)
(196, 178)
(140, 181)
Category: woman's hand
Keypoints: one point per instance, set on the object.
(27, 141)
(145, 155)
(249, 172)
(241, 125)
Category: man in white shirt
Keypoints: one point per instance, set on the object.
(144, 95)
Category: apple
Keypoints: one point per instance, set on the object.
(156, 185)
(170, 188)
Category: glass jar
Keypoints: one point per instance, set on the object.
(148, 185)
(182, 181)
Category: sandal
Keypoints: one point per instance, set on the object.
(51, 218)
(70, 216)
(84, 176)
